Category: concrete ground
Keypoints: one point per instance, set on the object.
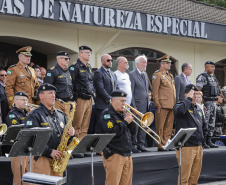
(215, 183)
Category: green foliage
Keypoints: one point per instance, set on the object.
(221, 3)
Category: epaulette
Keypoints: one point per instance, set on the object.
(75, 62)
(52, 68)
(157, 71)
(12, 65)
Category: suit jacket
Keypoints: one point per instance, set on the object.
(139, 91)
(103, 84)
(163, 89)
(180, 83)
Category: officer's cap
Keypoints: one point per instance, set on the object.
(210, 62)
(46, 87)
(118, 93)
(165, 58)
(25, 51)
(21, 93)
(84, 48)
(62, 53)
(191, 86)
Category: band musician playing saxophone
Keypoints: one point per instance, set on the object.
(47, 116)
(117, 159)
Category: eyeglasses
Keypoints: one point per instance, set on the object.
(3, 75)
(87, 53)
(65, 58)
(109, 60)
(23, 99)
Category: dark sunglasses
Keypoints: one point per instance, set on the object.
(65, 58)
(109, 60)
(3, 75)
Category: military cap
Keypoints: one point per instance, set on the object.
(46, 87)
(165, 58)
(21, 93)
(210, 62)
(118, 93)
(191, 86)
(84, 48)
(63, 53)
(25, 51)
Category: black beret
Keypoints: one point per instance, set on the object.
(191, 86)
(84, 48)
(21, 93)
(209, 62)
(62, 53)
(118, 93)
(46, 87)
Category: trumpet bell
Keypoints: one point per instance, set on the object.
(3, 129)
(147, 119)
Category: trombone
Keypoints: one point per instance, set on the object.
(3, 129)
(145, 121)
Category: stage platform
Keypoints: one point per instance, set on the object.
(151, 168)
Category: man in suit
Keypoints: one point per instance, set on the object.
(182, 80)
(140, 100)
(164, 94)
(105, 82)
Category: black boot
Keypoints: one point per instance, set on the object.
(205, 146)
(209, 142)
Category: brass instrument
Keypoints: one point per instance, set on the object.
(145, 121)
(59, 165)
(3, 129)
(32, 105)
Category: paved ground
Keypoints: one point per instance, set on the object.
(216, 183)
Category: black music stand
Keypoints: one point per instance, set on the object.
(178, 142)
(93, 143)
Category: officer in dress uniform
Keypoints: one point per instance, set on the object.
(189, 115)
(60, 77)
(207, 83)
(47, 116)
(21, 77)
(83, 91)
(164, 96)
(117, 158)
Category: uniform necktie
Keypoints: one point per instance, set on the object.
(112, 79)
(28, 71)
(143, 77)
(168, 75)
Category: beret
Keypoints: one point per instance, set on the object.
(21, 93)
(63, 53)
(46, 87)
(191, 86)
(209, 62)
(118, 93)
(84, 48)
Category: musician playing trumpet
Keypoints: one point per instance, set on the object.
(117, 159)
(47, 116)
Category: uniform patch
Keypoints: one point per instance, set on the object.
(22, 118)
(61, 124)
(9, 72)
(12, 116)
(190, 111)
(61, 76)
(72, 68)
(200, 114)
(48, 74)
(82, 71)
(44, 124)
(154, 77)
(118, 121)
(110, 124)
(29, 123)
(107, 116)
(14, 121)
(10, 98)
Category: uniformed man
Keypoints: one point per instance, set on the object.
(117, 159)
(83, 90)
(207, 83)
(15, 117)
(189, 115)
(60, 77)
(21, 77)
(47, 116)
(164, 95)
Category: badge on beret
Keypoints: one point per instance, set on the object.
(9, 72)
(61, 124)
(72, 68)
(12, 116)
(110, 124)
(14, 122)
(29, 123)
(107, 116)
(122, 94)
(154, 77)
(193, 87)
(48, 74)
(81, 47)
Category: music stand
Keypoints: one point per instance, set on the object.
(178, 142)
(93, 143)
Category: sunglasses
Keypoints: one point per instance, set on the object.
(109, 60)
(65, 58)
(3, 75)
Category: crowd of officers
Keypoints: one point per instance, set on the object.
(174, 104)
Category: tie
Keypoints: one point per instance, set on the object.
(28, 71)
(112, 79)
(187, 80)
(143, 77)
(168, 75)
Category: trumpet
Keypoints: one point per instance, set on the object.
(3, 129)
(145, 121)
(32, 105)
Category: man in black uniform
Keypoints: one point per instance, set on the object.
(207, 83)
(189, 115)
(117, 159)
(82, 78)
(60, 77)
(47, 116)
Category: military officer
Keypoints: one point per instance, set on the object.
(190, 115)
(83, 90)
(47, 116)
(207, 83)
(117, 159)
(21, 77)
(60, 77)
(164, 94)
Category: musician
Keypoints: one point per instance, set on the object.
(189, 115)
(117, 159)
(47, 116)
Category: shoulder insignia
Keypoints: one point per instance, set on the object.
(154, 77)
(9, 72)
(52, 68)
(110, 124)
(157, 71)
(12, 116)
(12, 65)
(48, 74)
(45, 124)
(107, 116)
(74, 63)
(29, 123)
(72, 68)
(14, 121)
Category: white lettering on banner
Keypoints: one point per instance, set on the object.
(101, 16)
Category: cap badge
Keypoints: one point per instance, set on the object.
(193, 87)
(43, 87)
(122, 94)
(65, 53)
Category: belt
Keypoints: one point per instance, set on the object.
(85, 96)
(190, 145)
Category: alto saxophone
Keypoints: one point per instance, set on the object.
(59, 165)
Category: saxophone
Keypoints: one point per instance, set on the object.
(59, 165)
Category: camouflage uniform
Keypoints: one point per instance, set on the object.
(220, 119)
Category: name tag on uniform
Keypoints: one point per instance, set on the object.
(61, 76)
(190, 111)
(118, 121)
(45, 124)
(82, 71)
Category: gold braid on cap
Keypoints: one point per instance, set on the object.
(164, 58)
